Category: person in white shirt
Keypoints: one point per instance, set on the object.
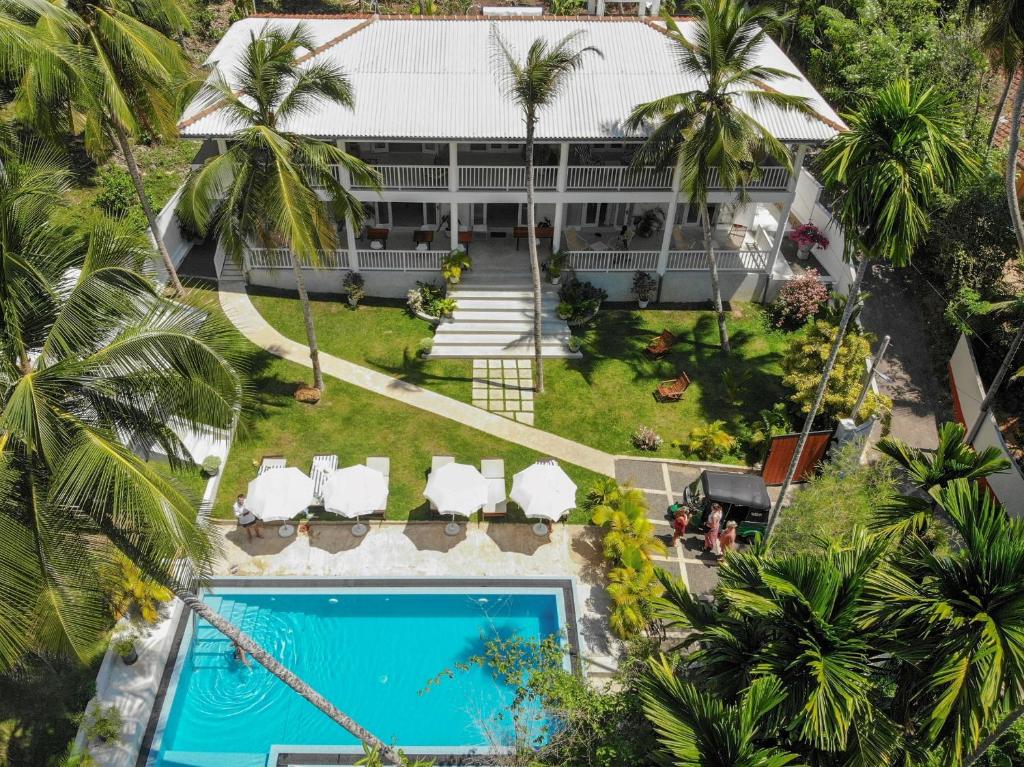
(248, 521)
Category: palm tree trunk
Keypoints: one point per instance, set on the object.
(994, 736)
(1012, 200)
(999, 109)
(307, 316)
(531, 239)
(716, 288)
(830, 363)
(140, 190)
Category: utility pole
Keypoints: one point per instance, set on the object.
(870, 377)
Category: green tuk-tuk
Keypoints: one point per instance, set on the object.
(743, 497)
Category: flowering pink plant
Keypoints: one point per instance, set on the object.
(808, 235)
(799, 299)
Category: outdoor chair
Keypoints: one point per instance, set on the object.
(573, 241)
(383, 465)
(269, 462)
(672, 391)
(436, 462)
(737, 235)
(660, 345)
(322, 468)
(494, 470)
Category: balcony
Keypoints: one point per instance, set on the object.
(618, 177)
(506, 177)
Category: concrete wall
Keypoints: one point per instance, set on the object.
(177, 245)
(378, 284)
(681, 287)
(968, 392)
(807, 209)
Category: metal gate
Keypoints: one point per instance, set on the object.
(781, 451)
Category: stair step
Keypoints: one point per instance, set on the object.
(502, 304)
(504, 315)
(496, 352)
(497, 339)
(518, 327)
(466, 291)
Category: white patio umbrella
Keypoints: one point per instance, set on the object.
(456, 488)
(544, 491)
(354, 491)
(279, 494)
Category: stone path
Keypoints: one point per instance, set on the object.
(250, 323)
(504, 387)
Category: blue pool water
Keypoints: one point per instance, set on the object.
(372, 654)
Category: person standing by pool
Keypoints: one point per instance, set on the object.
(714, 525)
(248, 521)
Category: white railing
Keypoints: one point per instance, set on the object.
(772, 177)
(400, 260)
(281, 258)
(612, 260)
(619, 177)
(728, 260)
(411, 177)
(506, 177)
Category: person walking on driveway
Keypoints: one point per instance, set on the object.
(727, 540)
(680, 523)
(714, 525)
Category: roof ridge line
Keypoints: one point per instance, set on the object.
(758, 82)
(220, 103)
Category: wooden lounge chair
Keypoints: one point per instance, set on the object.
(269, 462)
(737, 235)
(322, 468)
(436, 462)
(672, 391)
(494, 470)
(383, 465)
(661, 345)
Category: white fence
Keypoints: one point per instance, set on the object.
(411, 177)
(771, 178)
(617, 177)
(968, 392)
(728, 260)
(506, 177)
(612, 260)
(281, 258)
(399, 260)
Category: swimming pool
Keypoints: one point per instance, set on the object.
(370, 649)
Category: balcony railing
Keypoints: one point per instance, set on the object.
(771, 178)
(281, 258)
(612, 260)
(399, 260)
(728, 260)
(506, 177)
(411, 177)
(617, 177)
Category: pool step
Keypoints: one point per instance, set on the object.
(210, 648)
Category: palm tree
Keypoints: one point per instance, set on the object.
(954, 458)
(628, 527)
(1015, 307)
(1002, 39)
(905, 145)
(92, 360)
(111, 69)
(705, 131)
(533, 84)
(696, 729)
(264, 188)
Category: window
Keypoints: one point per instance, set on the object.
(430, 148)
(380, 146)
(478, 147)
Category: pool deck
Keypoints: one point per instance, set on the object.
(389, 550)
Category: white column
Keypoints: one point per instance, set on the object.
(350, 234)
(780, 230)
(561, 182)
(600, 7)
(453, 222)
(641, 7)
(453, 166)
(655, 8)
(670, 221)
(222, 146)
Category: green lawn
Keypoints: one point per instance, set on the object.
(354, 424)
(598, 400)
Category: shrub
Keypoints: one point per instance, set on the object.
(556, 264)
(354, 284)
(756, 438)
(645, 438)
(117, 192)
(710, 442)
(454, 264)
(580, 299)
(103, 723)
(211, 465)
(424, 346)
(124, 645)
(799, 300)
(566, 7)
(644, 286)
(429, 298)
(804, 361)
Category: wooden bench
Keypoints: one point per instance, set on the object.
(543, 233)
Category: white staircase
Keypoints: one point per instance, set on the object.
(494, 319)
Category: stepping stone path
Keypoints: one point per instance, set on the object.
(504, 387)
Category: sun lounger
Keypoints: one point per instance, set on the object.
(494, 470)
(436, 462)
(383, 465)
(660, 345)
(573, 241)
(322, 468)
(269, 462)
(672, 391)
(737, 235)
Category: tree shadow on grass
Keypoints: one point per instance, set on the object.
(413, 369)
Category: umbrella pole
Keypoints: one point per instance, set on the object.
(359, 529)
(452, 528)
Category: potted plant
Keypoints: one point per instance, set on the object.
(555, 265)
(644, 286)
(806, 236)
(444, 307)
(354, 286)
(103, 724)
(575, 343)
(454, 264)
(564, 310)
(124, 646)
(211, 465)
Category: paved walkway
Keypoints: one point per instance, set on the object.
(917, 396)
(250, 323)
(504, 387)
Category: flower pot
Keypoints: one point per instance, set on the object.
(557, 279)
(130, 658)
(643, 303)
(353, 301)
(803, 252)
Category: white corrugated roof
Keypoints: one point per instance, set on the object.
(437, 79)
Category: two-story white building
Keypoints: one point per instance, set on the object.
(431, 116)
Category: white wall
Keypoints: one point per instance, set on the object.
(681, 287)
(808, 210)
(968, 392)
(177, 246)
(378, 284)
